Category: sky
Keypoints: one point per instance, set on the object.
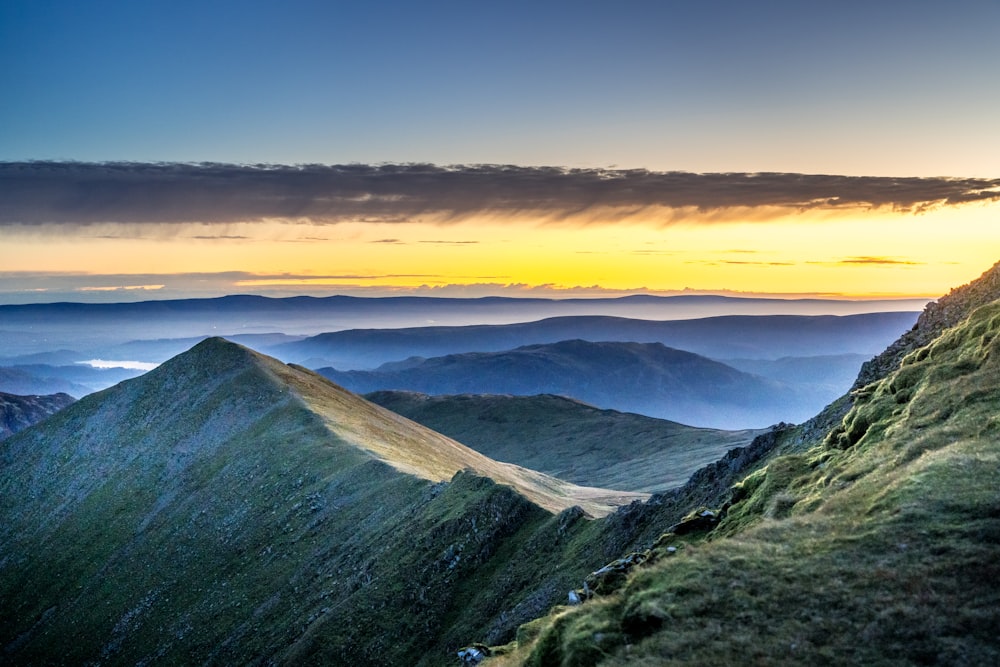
(166, 149)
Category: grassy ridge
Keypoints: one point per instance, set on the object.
(228, 509)
(879, 546)
(570, 440)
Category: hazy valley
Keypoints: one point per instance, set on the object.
(647, 378)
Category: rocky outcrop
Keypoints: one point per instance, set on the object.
(939, 315)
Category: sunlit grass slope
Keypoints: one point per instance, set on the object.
(569, 439)
(880, 546)
(418, 450)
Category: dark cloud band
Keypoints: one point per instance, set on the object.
(120, 192)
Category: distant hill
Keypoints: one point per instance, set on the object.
(77, 380)
(24, 382)
(570, 440)
(647, 378)
(86, 326)
(828, 374)
(728, 337)
(225, 508)
(19, 412)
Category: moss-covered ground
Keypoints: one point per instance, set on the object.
(879, 546)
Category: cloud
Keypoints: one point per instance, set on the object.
(37, 193)
(226, 281)
(37, 287)
(121, 288)
(221, 237)
(889, 261)
(744, 263)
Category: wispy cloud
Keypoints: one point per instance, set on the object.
(22, 281)
(746, 263)
(120, 288)
(34, 287)
(737, 262)
(34, 193)
(221, 237)
(889, 261)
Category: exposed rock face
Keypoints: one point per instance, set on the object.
(939, 315)
(20, 412)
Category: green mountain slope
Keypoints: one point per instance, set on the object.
(570, 440)
(228, 509)
(880, 545)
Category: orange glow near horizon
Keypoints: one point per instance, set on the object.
(860, 254)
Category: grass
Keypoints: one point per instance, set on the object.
(880, 546)
(571, 440)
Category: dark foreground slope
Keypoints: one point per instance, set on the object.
(570, 440)
(228, 509)
(647, 378)
(879, 545)
(19, 412)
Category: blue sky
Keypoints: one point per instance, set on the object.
(878, 88)
(595, 92)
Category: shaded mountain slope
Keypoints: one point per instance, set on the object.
(227, 509)
(19, 412)
(646, 378)
(733, 336)
(568, 439)
(879, 545)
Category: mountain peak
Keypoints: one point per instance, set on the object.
(351, 421)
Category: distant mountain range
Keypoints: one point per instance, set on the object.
(570, 440)
(93, 328)
(728, 337)
(19, 412)
(77, 380)
(647, 378)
